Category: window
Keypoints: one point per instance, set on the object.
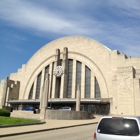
(46, 71)
(38, 86)
(87, 82)
(118, 126)
(31, 92)
(69, 82)
(97, 89)
(78, 74)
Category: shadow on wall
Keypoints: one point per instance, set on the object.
(8, 108)
(68, 115)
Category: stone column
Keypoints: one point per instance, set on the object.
(63, 89)
(55, 80)
(78, 98)
(74, 80)
(41, 98)
(44, 98)
(83, 82)
(2, 95)
(5, 90)
(34, 89)
(42, 81)
(7, 96)
(50, 80)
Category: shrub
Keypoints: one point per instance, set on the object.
(4, 112)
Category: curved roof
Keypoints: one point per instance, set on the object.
(73, 43)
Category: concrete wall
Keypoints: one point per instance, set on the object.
(68, 115)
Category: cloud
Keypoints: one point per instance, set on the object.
(117, 25)
(30, 16)
(130, 7)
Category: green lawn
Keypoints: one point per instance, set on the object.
(11, 120)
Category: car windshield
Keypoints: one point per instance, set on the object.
(118, 126)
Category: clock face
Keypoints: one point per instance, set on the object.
(58, 71)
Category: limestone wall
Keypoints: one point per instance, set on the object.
(68, 115)
(117, 74)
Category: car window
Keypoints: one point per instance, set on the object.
(127, 127)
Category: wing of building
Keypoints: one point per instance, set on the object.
(109, 81)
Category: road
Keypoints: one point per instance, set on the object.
(84, 132)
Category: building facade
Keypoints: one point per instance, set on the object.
(109, 80)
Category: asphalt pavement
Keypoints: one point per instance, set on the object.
(45, 125)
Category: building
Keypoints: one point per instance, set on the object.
(109, 80)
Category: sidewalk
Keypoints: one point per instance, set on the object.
(49, 125)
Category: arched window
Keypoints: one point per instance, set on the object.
(31, 92)
(69, 80)
(78, 74)
(87, 82)
(97, 89)
(38, 86)
(46, 70)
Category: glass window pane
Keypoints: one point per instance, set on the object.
(46, 71)
(87, 82)
(97, 89)
(38, 86)
(78, 74)
(31, 92)
(127, 127)
(69, 80)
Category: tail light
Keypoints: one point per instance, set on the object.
(94, 136)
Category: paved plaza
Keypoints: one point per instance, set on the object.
(49, 125)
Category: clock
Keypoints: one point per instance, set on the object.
(58, 71)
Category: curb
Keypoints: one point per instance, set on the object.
(18, 125)
(41, 130)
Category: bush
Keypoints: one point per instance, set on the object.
(4, 112)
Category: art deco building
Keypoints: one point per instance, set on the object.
(109, 80)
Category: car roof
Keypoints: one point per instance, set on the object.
(123, 116)
(66, 107)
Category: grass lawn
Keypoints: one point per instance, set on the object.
(11, 120)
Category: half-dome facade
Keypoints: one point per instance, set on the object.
(108, 80)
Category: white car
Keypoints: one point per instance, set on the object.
(118, 128)
(65, 108)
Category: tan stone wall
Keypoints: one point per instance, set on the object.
(104, 64)
(2, 93)
(14, 87)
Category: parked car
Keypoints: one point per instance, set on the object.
(66, 108)
(118, 128)
(29, 109)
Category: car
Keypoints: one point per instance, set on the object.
(65, 108)
(115, 127)
(29, 109)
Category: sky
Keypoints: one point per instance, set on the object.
(27, 25)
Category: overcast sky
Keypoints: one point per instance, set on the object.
(27, 25)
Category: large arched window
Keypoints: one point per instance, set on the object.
(87, 82)
(38, 86)
(77, 81)
(69, 80)
(31, 92)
